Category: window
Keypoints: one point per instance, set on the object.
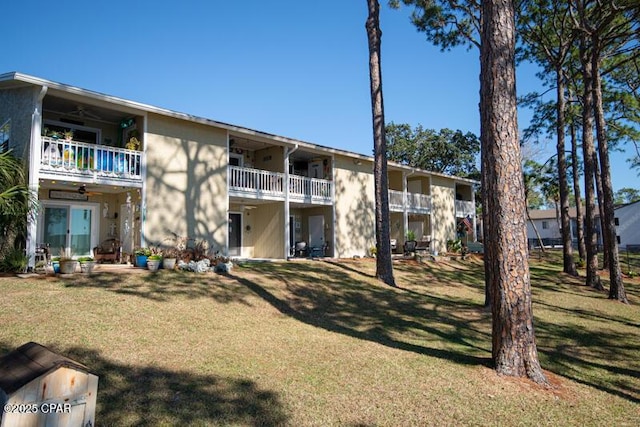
(80, 133)
(5, 133)
(545, 225)
(617, 221)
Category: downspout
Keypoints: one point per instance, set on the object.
(34, 173)
(287, 236)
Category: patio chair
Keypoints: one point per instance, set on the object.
(43, 253)
(300, 249)
(108, 250)
(424, 244)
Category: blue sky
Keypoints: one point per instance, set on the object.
(293, 68)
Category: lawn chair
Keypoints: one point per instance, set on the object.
(108, 250)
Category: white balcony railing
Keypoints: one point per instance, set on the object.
(309, 189)
(260, 183)
(396, 200)
(415, 202)
(256, 181)
(418, 202)
(63, 157)
(464, 208)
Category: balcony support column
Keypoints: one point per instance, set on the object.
(287, 218)
(35, 153)
(405, 202)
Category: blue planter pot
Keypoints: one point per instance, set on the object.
(56, 267)
(141, 261)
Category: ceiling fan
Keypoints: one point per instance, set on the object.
(83, 190)
(82, 111)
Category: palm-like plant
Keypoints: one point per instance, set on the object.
(17, 202)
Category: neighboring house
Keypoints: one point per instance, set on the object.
(247, 193)
(628, 224)
(547, 222)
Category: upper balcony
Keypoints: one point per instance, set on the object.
(267, 185)
(415, 202)
(65, 159)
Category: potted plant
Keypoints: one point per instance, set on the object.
(141, 255)
(55, 263)
(410, 243)
(170, 257)
(86, 264)
(153, 262)
(68, 135)
(133, 144)
(173, 250)
(68, 265)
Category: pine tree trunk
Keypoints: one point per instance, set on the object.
(514, 347)
(384, 267)
(576, 193)
(603, 229)
(569, 265)
(589, 157)
(616, 287)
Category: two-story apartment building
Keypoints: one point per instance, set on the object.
(106, 167)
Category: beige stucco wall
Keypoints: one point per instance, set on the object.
(443, 212)
(354, 206)
(268, 230)
(395, 180)
(186, 189)
(270, 158)
(18, 105)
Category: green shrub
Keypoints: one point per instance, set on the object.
(15, 261)
(454, 246)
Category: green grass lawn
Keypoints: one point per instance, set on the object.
(323, 343)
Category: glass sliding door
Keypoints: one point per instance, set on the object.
(80, 231)
(56, 220)
(69, 227)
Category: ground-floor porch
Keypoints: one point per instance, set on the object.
(74, 218)
(406, 227)
(271, 230)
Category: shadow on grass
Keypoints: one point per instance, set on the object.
(429, 317)
(604, 359)
(150, 396)
(163, 285)
(326, 296)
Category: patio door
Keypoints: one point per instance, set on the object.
(316, 231)
(71, 227)
(235, 234)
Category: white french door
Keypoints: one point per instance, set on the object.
(72, 227)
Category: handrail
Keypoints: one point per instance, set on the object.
(300, 186)
(256, 180)
(262, 182)
(415, 202)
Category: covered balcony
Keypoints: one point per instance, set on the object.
(90, 141)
